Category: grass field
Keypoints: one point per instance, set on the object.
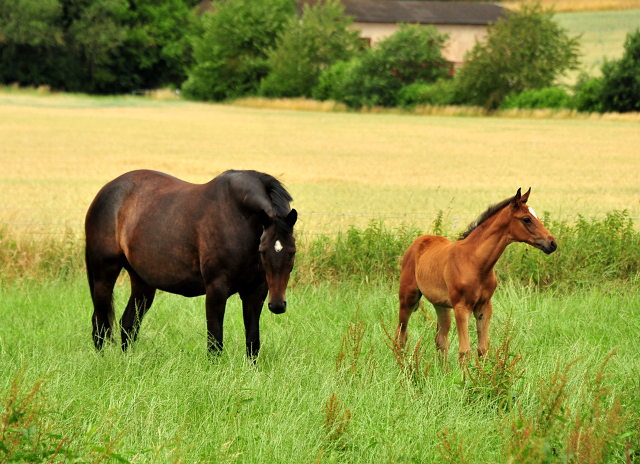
(166, 402)
(342, 168)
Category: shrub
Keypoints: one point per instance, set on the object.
(588, 94)
(527, 50)
(332, 81)
(442, 92)
(308, 46)
(231, 56)
(621, 78)
(412, 54)
(549, 97)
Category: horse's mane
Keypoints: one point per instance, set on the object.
(491, 211)
(278, 194)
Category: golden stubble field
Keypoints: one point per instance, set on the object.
(345, 168)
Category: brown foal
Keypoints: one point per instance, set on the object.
(460, 275)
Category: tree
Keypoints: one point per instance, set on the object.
(620, 83)
(231, 56)
(526, 50)
(413, 54)
(306, 47)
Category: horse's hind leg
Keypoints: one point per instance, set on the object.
(103, 276)
(140, 301)
(409, 295)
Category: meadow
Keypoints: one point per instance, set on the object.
(329, 386)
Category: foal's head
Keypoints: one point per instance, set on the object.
(526, 227)
(277, 253)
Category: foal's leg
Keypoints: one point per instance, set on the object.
(462, 313)
(409, 295)
(104, 275)
(139, 302)
(216, 302)
(252, 303)
(483, 317)
(442, 331)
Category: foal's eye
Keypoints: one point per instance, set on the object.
(526, 220)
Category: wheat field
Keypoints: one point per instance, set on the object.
(341, 168)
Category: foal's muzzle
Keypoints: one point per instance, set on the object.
(278, 308)
(547, 247)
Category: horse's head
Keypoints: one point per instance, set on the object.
(527, 228)
(277, 252)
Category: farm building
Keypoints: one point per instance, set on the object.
(464, 22)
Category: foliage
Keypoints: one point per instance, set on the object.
(587, 94)
(549, 97)
(306, 47)
(442, 92)
(412, 54)
(332, 81)
(231, 55)
(621, 78)
(96, 46)
(526, 50)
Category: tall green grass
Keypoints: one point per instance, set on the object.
(589, 251)
(326, 387)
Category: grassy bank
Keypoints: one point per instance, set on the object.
(326, 387)
(590, 250)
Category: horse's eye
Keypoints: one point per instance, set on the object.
(526, 220)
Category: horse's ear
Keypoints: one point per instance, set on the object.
(516, 199)
(291, 218)
(265, 219)
(525, 197)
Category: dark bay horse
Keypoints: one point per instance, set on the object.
(460, 275)
(233, 234)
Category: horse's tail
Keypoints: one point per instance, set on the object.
(89, 272)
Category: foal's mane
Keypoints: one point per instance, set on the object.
(491, 211)
(278, 195)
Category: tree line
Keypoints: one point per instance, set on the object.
(285, 48)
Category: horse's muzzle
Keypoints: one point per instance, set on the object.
(547, 247)
(278, 308)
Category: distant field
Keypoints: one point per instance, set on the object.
(603, 34)
(342, 168)
(580, 5)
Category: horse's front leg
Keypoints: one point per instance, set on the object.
(462, 313)
(483, 317)
(442, 332)
(252, 303)
(216, 301)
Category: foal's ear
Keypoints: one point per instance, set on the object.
(525, 197)
(516, 199)
(291, 218)
(265, 219)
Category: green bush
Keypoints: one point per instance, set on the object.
(332, 81)
(308, 46)
(621, 78)
(412, 54)
(442, 92)
(95, 46)
(231, 55)
(549, 97)
(526, 50)
(588, 94)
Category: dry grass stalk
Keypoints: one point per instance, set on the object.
(410, 361)
(450, 448)
(337, 419)
(300, 104)
(350, 353)
(495, 375)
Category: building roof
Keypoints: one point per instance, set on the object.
(404, 11)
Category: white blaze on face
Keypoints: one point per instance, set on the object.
(533, 213)
(278, 246)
